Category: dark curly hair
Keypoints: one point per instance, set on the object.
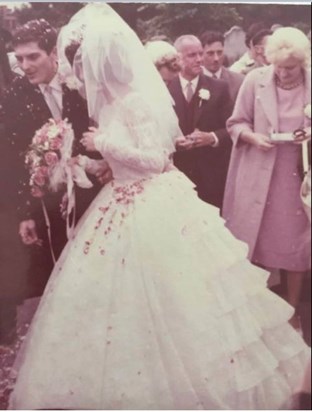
(209, 37)
(37, 31)
(71, 50)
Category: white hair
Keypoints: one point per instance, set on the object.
(160, 51)
(288, 42)
(186, 38)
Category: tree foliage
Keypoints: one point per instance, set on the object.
(174, 19)
(57, 14)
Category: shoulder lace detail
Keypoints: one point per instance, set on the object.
(140, 122)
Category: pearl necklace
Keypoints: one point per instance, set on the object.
(288, 86)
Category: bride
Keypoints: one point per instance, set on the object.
(153, 304)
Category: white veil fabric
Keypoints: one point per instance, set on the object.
(110, 62)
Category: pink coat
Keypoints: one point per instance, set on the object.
(250, 169)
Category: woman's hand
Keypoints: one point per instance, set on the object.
(74, 161)
(303, 135)
(261, 141)
(88, 139)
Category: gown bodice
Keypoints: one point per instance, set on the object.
(130, 142)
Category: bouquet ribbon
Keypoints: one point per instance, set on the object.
(68, 174)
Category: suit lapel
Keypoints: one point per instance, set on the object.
(224, 74)
(37, 104)
(180, 104)
(268, 98)
(198, 103)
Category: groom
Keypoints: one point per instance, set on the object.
(29, 103)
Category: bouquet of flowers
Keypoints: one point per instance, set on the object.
(46, 160)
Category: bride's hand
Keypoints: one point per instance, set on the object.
(73, 161)
(88, 139)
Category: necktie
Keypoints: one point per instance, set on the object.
(52, 103)
(189, 92)
(214, 76)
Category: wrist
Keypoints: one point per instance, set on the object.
(248, 137)
(214, 139)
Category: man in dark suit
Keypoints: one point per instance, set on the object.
(12, 253)
(27, 105)
(213, 59)
(202, 105)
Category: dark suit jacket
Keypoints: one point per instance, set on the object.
(24, 110)
(206, 166)
(234, 81)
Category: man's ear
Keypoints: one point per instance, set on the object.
(54, 52)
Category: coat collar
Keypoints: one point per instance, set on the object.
(267, 95)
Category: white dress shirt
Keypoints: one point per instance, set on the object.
(57, 94)
(185, 83)
(210, 74)
(194, 83)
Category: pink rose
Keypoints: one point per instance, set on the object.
(44, 171)
(51, 158)
(56, 143)
(39, 178)
(37, 192)
(40, 138)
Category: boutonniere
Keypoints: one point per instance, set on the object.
(204, 94)
(307, 111)
(70, 81)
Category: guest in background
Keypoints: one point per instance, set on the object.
(166, 59)
(5, 71)
(213, 62)
(202, 105)
(256, 39)
(13, 258)
(262, 203)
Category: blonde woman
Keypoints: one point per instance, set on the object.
(262, 203)
(165, 57)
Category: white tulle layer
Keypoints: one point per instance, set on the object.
(153, 305)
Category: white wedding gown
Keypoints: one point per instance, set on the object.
(153, 304)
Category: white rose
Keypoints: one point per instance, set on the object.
(204, 94)
(307, 111)
(53, 132)
(72, 83)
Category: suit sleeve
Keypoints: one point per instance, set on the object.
(13, 140)
(242, 118)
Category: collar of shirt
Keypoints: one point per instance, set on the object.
(209, 74)
(56, 91)
(184, 82)
(54, 84)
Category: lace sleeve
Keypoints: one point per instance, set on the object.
(142, 150)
